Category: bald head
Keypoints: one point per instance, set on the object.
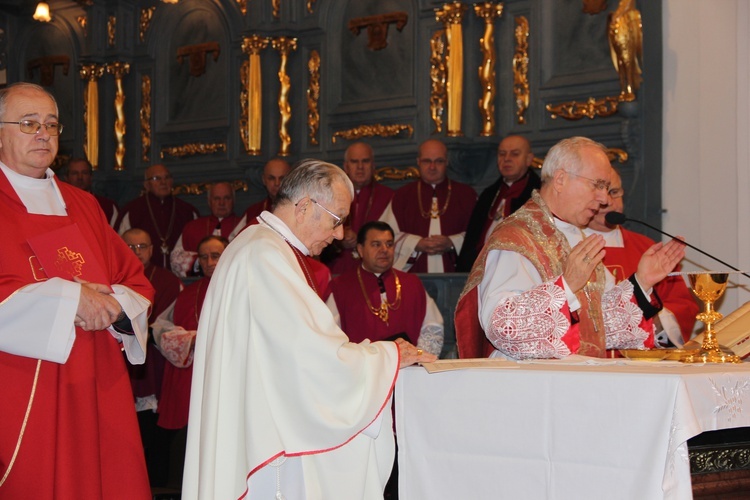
(158, 181)
(514, 158)
(359, 161)
(221, 199)
(432, 161)
(273, 173)
(139, 242)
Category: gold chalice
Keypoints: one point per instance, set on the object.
(709, 287)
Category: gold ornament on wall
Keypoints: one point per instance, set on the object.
(373, 131)
(313, 95)
(593, 107)
(111, 29)
(276, 8)
(489, 12)
(251, 94)
(438, 76)
(193, 149)
(91, 73)
(145, 115)
(310, 6)
(377, 27)
(197, 188)
(83, 23)
(242, 4)
(626, 47)
(451, 15)
(118, 70)
(284, 45)
(521, 68)
(396, 174)
(144, 22)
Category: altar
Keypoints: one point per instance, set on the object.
(560, 429)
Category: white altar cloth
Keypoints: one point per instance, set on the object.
(556, 430)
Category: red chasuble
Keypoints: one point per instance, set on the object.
(357, 319)
(162, 224)
(81, 439)
(367, 205)
(175, 389)
(454, 220)
(672, 290)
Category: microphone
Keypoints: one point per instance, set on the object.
(617, 218)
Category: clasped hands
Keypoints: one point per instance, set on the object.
(655, 264)
(97, 309)
(410, 354)
(436, 244)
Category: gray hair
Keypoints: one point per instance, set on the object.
(312, 178)
(217, 183)
(6, 92)
(566, 155)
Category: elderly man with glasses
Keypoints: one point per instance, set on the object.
(282, 404)
(73, 297)
(675, 323)
(158, 212)
(539, 288)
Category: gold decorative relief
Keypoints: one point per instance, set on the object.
(91, 73)
(276, 8)
(83, 23)
(438, 75)
(521, 68)
(193, 149)
(593, 107)
(377, 27)
(251, 94)
(313, 95)
(111, 29)
(310, 6)
(487, 11)
(118, 70)
(451, 15)
(626, 47)
(203, 187)
(396, 174)
(145, 114)
(372, 131)
(242, 4)
(284, 45)
(147, 13)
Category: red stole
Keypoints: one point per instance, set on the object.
(175, 391)
(455, 219)
(82, 438)
(358, 320)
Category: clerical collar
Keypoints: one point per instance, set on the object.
(524, 176)
(278, 225)
(39, 196)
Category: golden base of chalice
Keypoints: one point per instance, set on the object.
(709, 287)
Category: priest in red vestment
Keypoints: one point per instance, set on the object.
(274, 172)
(539, 288)
(430, 215)
(675, 323)
(221, 222)
(376, 302)
(513, 189)
(72, 297)
(79, 173)
(158, 212)
(370, 200)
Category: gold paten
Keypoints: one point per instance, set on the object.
(489, 12)
(284, 45)
(451, 15)
(313, 95)
(521, 68)
(372, 131)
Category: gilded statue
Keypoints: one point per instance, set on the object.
(626, 46)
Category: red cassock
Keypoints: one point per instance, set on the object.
(197, 229)
(81, 439)
(367, 205)
(673, 292)
(460, 200)
(175, 391)
(357, 319)
(256, 209)
(109, 207)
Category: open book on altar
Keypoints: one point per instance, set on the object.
(733, 331)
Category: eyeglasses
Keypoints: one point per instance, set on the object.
(139, 246)
(157, 178)
(615, 193)
(33, 127)
(597, 184)
(338, 220)
(438, 162)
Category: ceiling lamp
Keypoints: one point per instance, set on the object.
(42, 13)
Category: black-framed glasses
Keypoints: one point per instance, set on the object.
(597, 184)
(337, 220)
(33, 127)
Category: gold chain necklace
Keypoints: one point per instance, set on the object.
(382, 311)
(164, 246)
(434, 212)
